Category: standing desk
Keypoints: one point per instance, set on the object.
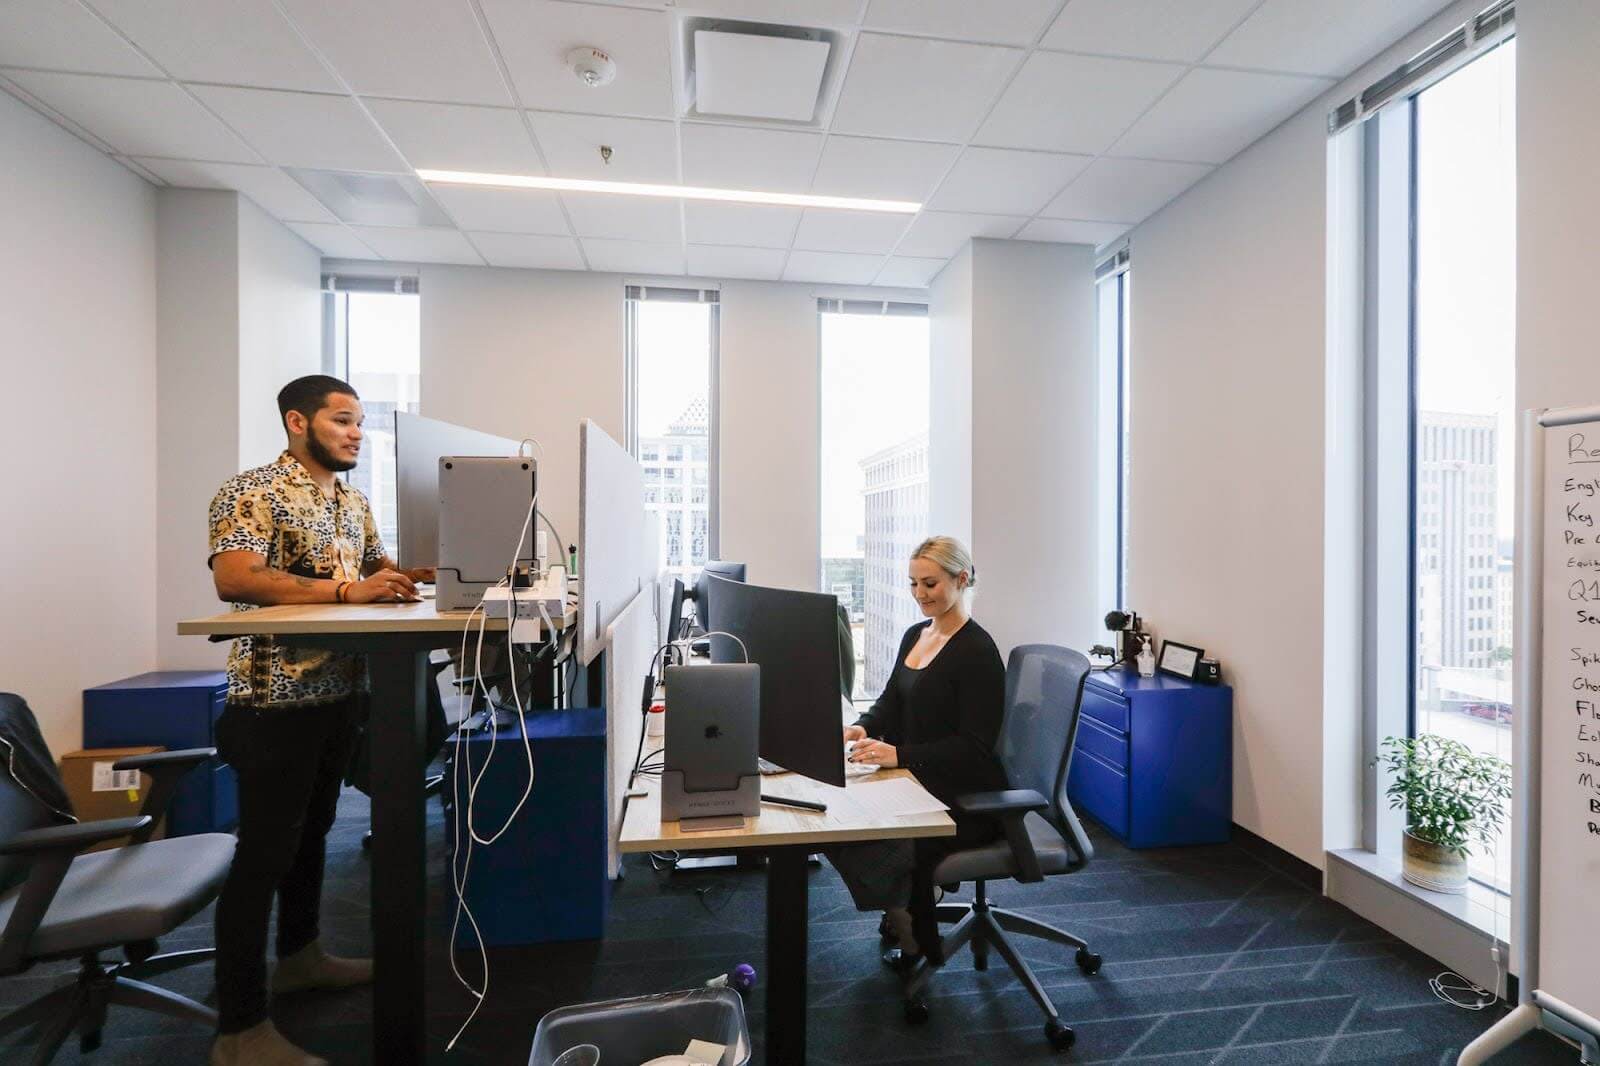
(396, 638)
(787, 835)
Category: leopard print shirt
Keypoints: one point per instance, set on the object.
(279, 512)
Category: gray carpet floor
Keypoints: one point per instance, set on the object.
(1213, 955)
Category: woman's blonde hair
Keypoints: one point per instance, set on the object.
(949, 555)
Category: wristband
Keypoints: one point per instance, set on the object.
(338, 592)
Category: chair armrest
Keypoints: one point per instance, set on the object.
(1010, 806)
(72, 838)
(165, 768)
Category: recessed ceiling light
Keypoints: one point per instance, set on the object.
(675, 192)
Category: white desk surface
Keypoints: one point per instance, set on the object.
(844, 821)
(324, 618)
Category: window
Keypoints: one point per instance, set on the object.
(672, 374)
(1113, 289)
(1440, 195)
(373, 341)
(874, 467)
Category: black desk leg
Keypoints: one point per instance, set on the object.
(399, 900)
(786, 956)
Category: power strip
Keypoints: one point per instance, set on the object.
(547, 594)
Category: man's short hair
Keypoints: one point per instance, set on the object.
(308, 395)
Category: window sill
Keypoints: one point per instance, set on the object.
(1457, 930)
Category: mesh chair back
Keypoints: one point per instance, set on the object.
(21, 805)
(1044, 684)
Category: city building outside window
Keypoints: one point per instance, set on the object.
(874, 467)
(1113, 296)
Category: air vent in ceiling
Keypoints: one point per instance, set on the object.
(753, 71)
(372, 199)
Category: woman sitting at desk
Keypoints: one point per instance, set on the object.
(939, 717)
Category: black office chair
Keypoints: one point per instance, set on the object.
(58, 904)
(1044, 686)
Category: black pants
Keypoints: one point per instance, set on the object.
(971, 832)
(291, 762)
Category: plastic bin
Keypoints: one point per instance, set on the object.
(629, 1032)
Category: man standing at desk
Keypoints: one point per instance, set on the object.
(290, 532)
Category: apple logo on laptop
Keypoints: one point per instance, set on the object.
(713, 732)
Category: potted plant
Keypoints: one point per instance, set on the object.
(1451, 797)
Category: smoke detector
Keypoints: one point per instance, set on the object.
(592, 66)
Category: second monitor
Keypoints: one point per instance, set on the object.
(794, 638)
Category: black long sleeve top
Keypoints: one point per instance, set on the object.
(944, 719)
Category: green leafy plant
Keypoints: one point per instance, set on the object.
(1450, 794)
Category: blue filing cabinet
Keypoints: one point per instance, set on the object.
(546, 878)
(173, 709)
(1154, 759)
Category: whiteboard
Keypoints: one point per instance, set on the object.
(1565, 873)
(617, 543)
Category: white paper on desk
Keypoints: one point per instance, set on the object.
(895, 797)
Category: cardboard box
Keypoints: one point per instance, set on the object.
(99, 792)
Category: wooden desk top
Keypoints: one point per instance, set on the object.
(845, 820)
(342, 618)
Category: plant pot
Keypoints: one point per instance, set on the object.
(1432, 866)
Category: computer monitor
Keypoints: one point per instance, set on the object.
(675, 612)
(794, 638)
(419, 443)
(715, 568)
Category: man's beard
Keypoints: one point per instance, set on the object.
(324, 457)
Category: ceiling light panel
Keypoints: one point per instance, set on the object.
(677, 192)
(419, 49)
(137, 117)
(921, 89)
(749, 76)
(242, 42)
(534, 37)
(65, 36)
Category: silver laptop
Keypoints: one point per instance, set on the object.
(713, 727)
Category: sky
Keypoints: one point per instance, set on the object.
(674, 361)
(1466, 252)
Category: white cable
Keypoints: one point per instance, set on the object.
(1447, 989)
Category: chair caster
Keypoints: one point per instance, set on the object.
(916, 1011)
(1060, 1036)
(1088, 961)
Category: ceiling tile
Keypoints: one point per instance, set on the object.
(63, 35)
(502, 210)
(646, 219)
(833, 268)
(941, 234)
(1212, 115)
(137, 117)
(633, 257)
(1124, 190)
(747, 225)
(457, 137)
(239, 42)
(534, 37)
(641, 149)
(922, 89)
(1315, 37)
(334, 241)
(419, 245)
(733, 157)
(998, 21)
(870, 232)
(524, 250)
(780, 12)
(304, 129)
(274, 191)
(908, 272)
(422, 49)
(1181, 30)
(1071, 231)
(1074, 103)
(883, 170)
(1003, 181)
(717, 261)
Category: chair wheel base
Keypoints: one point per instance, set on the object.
(916, 1011)
(1061, 1037)
(1088, 961)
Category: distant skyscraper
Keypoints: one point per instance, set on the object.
(1456, 540)
(1504, 607)
(677, 486)
(895, 485)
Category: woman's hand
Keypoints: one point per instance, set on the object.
(854, 732)
(875, 752)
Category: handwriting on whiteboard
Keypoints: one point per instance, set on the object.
(1577, 518)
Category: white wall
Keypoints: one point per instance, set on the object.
(78, 299)
(950, 399)
(280, 326)
(1227, 485)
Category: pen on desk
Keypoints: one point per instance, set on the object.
(785, 801)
